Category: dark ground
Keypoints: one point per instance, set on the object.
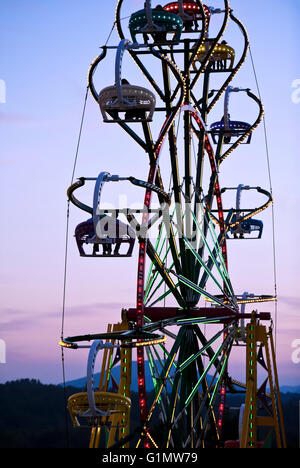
(33, 416)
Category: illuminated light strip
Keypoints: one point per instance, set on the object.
(162, 296)
(65, 344)
(139, 344)
(195, 321)
(251, 301)
(237, 68)
(247, 134)
(198, 258)
(148, 298)
(152, 282)
(191, 359)
(152, 369)
(218, 250)
(149, 282)
(142, 249)
(210, 152)
(224, 274)
(195, 389)
(148, 435)
(220, 376)
(211, 51)
(197, 288)
(157, 397)
(187, 6)
(211, 156)
(248, 216)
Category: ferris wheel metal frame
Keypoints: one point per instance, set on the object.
(191, 246)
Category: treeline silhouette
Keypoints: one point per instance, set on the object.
(33, 416)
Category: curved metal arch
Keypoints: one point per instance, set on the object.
(214, 44)
(253, 212)
(238, 65)
(248, 132)
(70, 192)
(92, 70)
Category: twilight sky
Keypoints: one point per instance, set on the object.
(46, 48)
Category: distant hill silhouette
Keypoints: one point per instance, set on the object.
(81, 382)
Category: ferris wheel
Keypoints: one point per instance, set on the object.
(187, 316)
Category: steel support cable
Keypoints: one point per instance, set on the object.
(65, 267)
(272, 207)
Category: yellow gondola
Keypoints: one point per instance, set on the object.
(101, 409)
(221, 59)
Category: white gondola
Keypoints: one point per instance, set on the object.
(125, 102)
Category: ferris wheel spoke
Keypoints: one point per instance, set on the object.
(164, 273)
(205, 267)
(201, 291)
(153, 274)
(215, 257)
(208, 402)
(221, 349)
(208, 345)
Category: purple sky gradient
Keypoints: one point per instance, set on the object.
(46, 49)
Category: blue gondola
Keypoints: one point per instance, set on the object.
(227, 128)
(242, 227)
(247, 227)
